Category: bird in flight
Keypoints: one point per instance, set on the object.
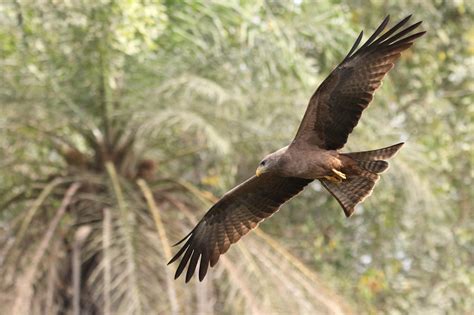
(332, 113)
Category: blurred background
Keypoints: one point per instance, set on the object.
(122, 121)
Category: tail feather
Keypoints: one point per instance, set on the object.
(377, 167)
(380, 154)
(351, 192)
(356, 188)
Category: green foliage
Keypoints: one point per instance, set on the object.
(92, 93)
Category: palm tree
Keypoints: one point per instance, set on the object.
(122, 122)
(105, 160)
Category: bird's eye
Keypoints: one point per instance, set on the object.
(263, 163)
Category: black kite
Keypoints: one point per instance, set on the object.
(333, 112)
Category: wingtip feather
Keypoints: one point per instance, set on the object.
(183, 239)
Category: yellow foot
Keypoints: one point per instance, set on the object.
(339, 174)
(333, 179)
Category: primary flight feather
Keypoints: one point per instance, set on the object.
(333, 112)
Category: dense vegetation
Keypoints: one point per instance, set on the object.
(122, 121)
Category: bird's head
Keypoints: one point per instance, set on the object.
(270, 163)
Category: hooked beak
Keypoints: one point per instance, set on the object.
(260, 170)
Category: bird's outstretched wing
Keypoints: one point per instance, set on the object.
(234, 215)
(336, 106)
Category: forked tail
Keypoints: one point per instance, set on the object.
(356, 188)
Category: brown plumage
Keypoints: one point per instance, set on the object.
(234, 215)
(333, 112)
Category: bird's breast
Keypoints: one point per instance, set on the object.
(310, 164)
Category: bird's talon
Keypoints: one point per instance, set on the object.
(339, 174)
